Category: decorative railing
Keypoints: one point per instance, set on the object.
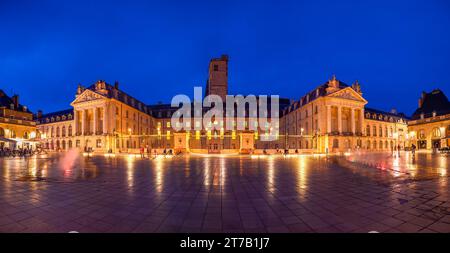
(17, 121)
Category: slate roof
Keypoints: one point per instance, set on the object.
(6, 101)
(435, 101)
(166, 111)
(57, 117)
(319, 91)
(121, 96)
(385, 115)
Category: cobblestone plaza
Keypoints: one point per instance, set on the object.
(360, 192)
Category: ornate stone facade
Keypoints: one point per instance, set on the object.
(331, 118)
(430, 124)
(17, 127)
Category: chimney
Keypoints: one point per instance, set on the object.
(422, 98)
(116, 85)
(39, 114)
(15, 100)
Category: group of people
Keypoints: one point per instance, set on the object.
(147, 150)
(21, 151)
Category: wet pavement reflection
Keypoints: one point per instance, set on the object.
(360, 192)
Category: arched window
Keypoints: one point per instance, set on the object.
(12, 133)
(70, 130)
(368, 145)
(70, 144)
(421, 134)
(381, 131)
(335, 143)
(436, 132)
(374, 144)
(26, 135)
(385, 132)
(63, 131)
(374, 132)
(368, 130)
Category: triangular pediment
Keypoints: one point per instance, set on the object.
(87, 95)
(348, 93)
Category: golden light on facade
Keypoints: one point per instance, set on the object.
(197, 135)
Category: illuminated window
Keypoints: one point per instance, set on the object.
(168, 135)
(436, 132)
(197, 135)
(168, 124)
(421, 134)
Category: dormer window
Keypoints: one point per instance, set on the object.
(422, 116)
(434, 113)
(11, 106)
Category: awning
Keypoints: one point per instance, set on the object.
(7, 140)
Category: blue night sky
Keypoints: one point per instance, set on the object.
(155, 50)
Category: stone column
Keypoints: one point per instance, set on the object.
(353, 120)
(95, 120)
(339, 118)
(83, 121)
(75, 118)
(361, 120)
(328, 118)
(105, 116)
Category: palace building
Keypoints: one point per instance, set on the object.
(17, 127)
(429, 126)
(331, 118)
